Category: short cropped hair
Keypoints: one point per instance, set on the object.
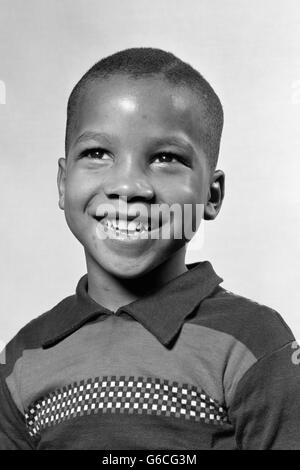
(147, 62)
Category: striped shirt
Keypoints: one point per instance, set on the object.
(188, 366)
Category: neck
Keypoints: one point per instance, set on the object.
(114, 292)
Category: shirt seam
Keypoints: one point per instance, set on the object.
(265, 356)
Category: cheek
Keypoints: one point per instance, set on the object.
(188, 196)
(188, 190)
(78, 191)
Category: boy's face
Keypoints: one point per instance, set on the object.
(139, 140)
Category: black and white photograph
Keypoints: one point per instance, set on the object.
(150, 227)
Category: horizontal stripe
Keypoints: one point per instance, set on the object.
(111, 431)
(123, 395)
(119, 346)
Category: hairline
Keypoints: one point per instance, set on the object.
(89, 79)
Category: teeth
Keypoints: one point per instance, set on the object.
(124, 226)
(133, 226)
(121, 225)
(113, 224)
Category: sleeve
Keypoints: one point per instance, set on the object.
(265, 410)
(13, 433)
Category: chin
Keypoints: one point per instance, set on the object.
(127, 274)
(126, 264)
(131, 269)
(126, 268)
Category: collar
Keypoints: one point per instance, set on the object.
(163, 312)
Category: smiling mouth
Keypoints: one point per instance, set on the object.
(126, 229)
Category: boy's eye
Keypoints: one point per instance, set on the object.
(167, 157)
(100, 154)
(95, 154)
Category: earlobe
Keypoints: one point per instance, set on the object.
(215, 196)
(61, 177)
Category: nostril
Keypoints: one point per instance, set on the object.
(133, 189)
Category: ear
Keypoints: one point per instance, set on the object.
(215, 195)
(61, 178)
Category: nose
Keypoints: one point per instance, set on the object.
(128, 180)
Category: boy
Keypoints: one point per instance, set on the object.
(149, 353)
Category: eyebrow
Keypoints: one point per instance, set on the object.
(167, 140)
(174, 140)
(98, 136)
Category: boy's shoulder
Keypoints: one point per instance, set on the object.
(36, 331)
(231, 316)
(257, 326)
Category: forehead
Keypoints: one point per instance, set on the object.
(152, 104)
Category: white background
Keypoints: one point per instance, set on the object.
(250, 52)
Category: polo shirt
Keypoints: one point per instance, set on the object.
(188, 366)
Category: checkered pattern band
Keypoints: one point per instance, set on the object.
(129, 395)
